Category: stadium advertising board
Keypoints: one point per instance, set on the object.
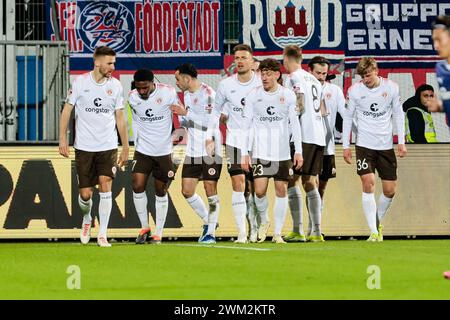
(396, 33)
(155, 34)
(39, 198)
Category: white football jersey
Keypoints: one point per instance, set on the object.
(374, 109)
(199, 107)
(268, 117)
(230, 100)
(95, 105)
(334, 103)
(311, 121)
(152, 120)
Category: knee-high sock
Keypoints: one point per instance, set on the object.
(199, 207)
(161, 206)
(213, 217)
(279, 212)
(261, 208)
(295, 205)
(140, 203)
(239, 209)
(85, 207)
(310, 223)
(370, 211)
(104, 212)
(383, 206)
(314, 204)
(251, 213)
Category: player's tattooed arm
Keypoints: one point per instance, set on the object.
(300, 102)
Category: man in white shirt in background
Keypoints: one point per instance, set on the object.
(269, 113)
(152, 122)
(375, 102)
(98, 102)
(195, 116)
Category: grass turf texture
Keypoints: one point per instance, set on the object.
(410, 269)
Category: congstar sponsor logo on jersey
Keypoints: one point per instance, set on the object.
(374, 111)
(271, 117)
(150, 117)
(240, 109)
(98, 107)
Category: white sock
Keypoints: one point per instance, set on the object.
(85, 207)
(140, 203)
(383, 206)
(295, 205)
(161, 206)
(239, 208)
(213, 217)
(309, 218)
(199, 207)
(314, 204)
(251, 213)
(262, 205)
(279, 212)
(104, 212)
(370, 211)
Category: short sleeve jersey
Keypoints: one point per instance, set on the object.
(95, 105)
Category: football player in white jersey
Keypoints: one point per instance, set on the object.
(152, 122)
(230, 101)
(334, 103)
(270, 111)
(98, 102)
(374, 102)
(310, 103)
(198, 102)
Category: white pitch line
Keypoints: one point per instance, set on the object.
(222, 247)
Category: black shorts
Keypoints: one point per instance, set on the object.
(383, 161)
(234, 160)
(312, 159)
(160, 166)
(202, 168)
(249, 175)
(328, 168)
(91, 165)
(278, 170)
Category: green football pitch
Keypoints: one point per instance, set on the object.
(343, 269)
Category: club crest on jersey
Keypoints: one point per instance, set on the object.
(114, 170)
(281, 99)
(211, 171)
(290, 22)
(159, 101)
(384, 95)
(328, 96)
(195, 101)
(291, 172)
(106, 23)
(170, 174)
(109, 92)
